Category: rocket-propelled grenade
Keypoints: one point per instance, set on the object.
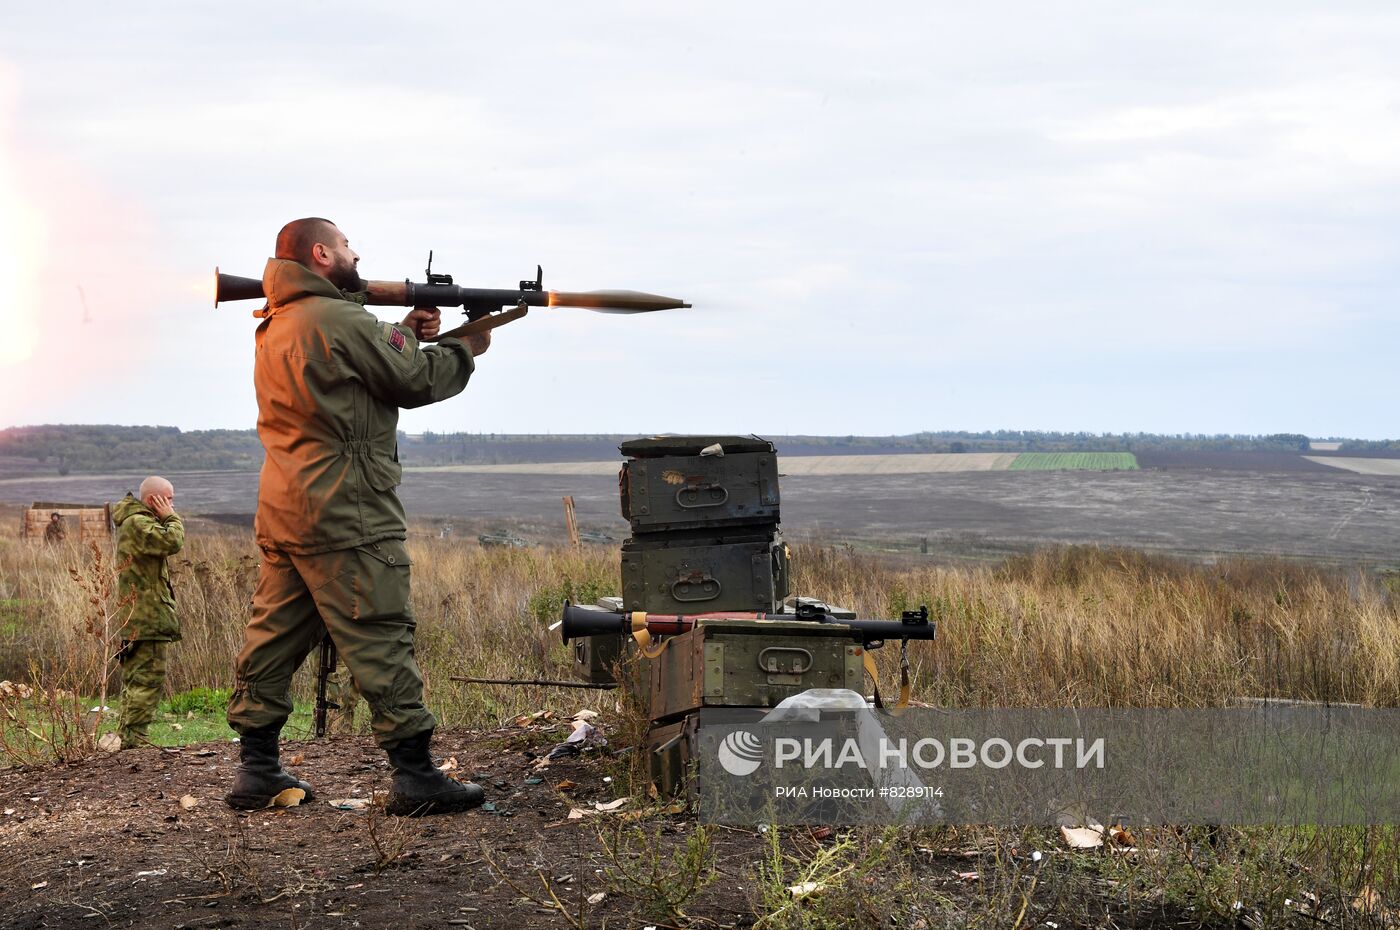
(485, 307)
(579, 622)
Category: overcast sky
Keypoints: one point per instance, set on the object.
(889, 218)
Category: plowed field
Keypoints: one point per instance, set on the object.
(1284, 505)
(1389, 468)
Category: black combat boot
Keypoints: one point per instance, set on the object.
(419, 788)
(260, 777)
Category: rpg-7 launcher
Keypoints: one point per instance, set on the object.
(579, 622)
(486, 308)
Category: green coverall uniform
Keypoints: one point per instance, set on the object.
(144, 541)
(330, 379)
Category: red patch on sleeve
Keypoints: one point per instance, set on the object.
(396, 339)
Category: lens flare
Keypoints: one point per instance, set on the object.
(22, 236)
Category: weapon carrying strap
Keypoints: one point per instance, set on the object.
(904, 688)
(643, 636)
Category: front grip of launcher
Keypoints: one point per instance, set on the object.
(488, 322)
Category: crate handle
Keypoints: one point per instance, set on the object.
(695, 489)
(707, 583)
(773, 668)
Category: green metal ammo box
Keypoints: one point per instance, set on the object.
(752, 663)
(669, 485)
(670, 750)
(692, 574)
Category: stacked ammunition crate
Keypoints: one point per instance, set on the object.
(704, 514)
(704, 517)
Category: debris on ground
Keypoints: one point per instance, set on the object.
(584, 736)
(1082, 837)
(288, 797)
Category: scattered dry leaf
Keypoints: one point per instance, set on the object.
(576, 813)
(10, 689)
(566, 785)
(584, 714)
(297, 759)
(967, 876)
(641, 813)
(448, 765)
(189, 802)
(288, 797)
(176, 727)
(524, 720)
(805, 889)
(109, 742)
(597, 897)
(610, 805)
(38, 886)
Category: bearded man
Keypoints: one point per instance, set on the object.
(330, 379)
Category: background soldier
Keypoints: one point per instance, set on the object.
(54, 533)
(330, 379)
(148, 532)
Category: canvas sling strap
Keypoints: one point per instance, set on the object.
(904, 687)
(643, 636)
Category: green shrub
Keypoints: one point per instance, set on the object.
(199, 701)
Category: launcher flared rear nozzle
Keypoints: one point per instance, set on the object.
(232, 287)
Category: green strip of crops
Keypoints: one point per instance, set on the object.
(1075, 461)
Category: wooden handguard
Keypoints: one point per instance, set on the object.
(485, 323)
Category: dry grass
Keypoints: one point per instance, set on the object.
(1056, 627)
(1089, 627)
(1052, 628)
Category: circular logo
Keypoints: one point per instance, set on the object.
(740, 753)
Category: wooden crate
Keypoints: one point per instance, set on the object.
(81, 522)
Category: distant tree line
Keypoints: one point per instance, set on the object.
(65, 449)
(1370, 445)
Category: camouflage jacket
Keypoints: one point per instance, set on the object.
(330, 379)
(143, 543)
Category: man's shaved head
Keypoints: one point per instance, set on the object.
(155, 485)
(320, 246)
(295, 240)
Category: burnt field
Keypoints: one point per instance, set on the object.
(1307, 510)
(1230, 461)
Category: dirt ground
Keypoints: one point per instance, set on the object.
(142, 839)
(107, 842)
